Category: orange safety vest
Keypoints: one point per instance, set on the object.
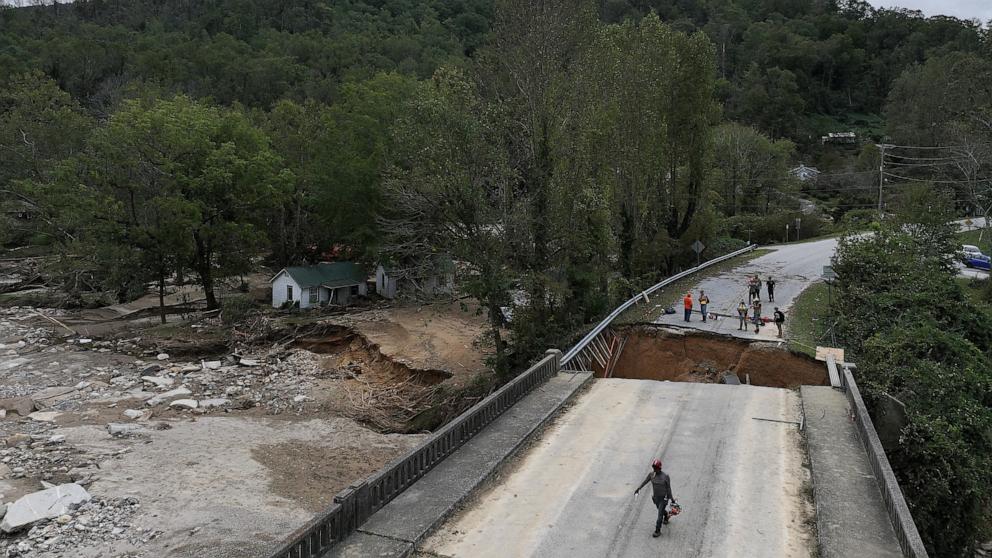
(687, 301)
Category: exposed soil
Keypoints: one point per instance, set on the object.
(658, 353)
(355, 352)
(442, 336)
(311, 475)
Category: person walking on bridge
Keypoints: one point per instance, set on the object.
(661, 493)
(703, 303)
(770, 284)
(687, 303)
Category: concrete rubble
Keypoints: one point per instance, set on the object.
(44, 504)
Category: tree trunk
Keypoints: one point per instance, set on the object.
(495, 322)
(202, 263)
(161, 294)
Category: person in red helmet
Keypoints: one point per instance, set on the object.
(661, 486)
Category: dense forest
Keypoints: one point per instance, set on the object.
(573, 150)
(637, 127)
(567, 150)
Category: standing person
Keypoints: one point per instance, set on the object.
(757, 314)
(770, 285)
(703, 302)
(742, 314)
(779, 320)
(687, 303)
(661, 493)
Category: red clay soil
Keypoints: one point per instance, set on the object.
(655, 354)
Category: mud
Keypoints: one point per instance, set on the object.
(354, 352)
(653, 353)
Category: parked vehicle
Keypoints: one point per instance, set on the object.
(978, 261)
(968, 251)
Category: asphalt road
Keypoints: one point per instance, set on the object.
(793, 266)
(739, 480)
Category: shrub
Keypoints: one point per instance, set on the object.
(235, 308)
(916, 337)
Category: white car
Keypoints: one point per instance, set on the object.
(968, 251)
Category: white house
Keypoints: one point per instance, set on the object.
(436, 278)
(804, 173)
(316, 285)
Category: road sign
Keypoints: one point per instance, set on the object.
(828, 273)
(698, 246)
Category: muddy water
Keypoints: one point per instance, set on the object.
(656, 354)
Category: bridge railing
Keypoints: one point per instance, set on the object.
(895, 503)
(355, 504)
(581, 345)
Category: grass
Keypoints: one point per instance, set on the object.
(972, 237)
(809, 319)
(646, 312)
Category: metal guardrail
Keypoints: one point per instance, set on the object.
(574, 351)
(355, 504)
(895, 503)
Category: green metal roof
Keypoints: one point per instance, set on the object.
(330, 275)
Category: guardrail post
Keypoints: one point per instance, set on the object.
(556, 363)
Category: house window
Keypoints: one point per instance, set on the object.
(289, 292)
(313, 295)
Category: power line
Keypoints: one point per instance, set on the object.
(907, 178)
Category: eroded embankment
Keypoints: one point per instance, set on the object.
(360, 356)
(656, 353)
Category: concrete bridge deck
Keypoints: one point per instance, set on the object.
(739, 477)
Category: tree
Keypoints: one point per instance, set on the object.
(451, 190)
(752, 166)
(39, 125)
(188, 182)
(770, 98)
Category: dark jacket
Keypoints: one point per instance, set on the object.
(661, 486)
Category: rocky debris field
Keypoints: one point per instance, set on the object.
(90, 412)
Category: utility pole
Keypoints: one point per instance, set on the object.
(881, 174)
(786, 232)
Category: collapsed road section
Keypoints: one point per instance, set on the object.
(648, 352)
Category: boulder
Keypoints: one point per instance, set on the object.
(17, 440)
(211, 364)
(44, 504)
(133, 414)
(168, 396)
(249, 362)
(184, 403)
(163, 356)
(158, 381)
(44, 416)
(52, 393)
(20, 405)
(151, 369)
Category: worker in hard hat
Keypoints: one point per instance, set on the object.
(661, 487)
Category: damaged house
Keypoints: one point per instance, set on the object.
(317, 285)
(435, 276)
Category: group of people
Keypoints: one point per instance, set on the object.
(753, 307)
(754, 288)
